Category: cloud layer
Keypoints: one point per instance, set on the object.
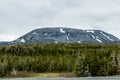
(18, 17)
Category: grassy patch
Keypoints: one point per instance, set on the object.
(41, 75)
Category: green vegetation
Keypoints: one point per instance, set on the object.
(82, 59)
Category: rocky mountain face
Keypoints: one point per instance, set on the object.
(66, 35)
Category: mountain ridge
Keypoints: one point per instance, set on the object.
(66, 35)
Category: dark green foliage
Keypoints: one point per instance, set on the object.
(83, 59)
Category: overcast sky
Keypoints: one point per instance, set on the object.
(18, 17)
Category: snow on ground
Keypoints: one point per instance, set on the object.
(62, 31)
(79, 41)
(45, 34)
(93, 36)
(22, 40)
(91, 31)
(35, 33)
(106, 36)
(98, 39)
(56, 42)
(68, 36)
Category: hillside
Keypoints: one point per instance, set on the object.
(66, 35)
(82, 59)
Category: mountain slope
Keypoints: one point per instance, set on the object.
(66, 35)
(4, 43)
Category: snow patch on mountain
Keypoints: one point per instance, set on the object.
(91, 31)
(62, 31)
(98, 39)
(22, 40)
(93, 36)
(106, 36)
(68, 36)
(56, 42)
(45, 34)
(79, 41)
(35, 33)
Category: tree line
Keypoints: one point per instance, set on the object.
(82, 59)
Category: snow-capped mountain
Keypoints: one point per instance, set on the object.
(66, 35)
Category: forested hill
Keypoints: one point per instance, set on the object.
(82, 59)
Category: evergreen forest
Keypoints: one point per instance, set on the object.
(82, 59)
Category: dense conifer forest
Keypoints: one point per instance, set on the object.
(82, 59)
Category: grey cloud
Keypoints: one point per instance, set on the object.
(18, 17)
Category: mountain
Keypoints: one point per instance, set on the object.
(66, 35)
(4, 43)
